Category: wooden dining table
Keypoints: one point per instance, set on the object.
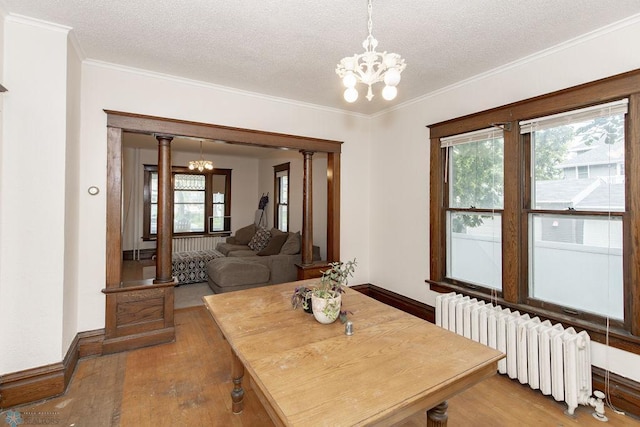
(393, 366)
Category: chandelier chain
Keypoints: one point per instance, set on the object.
(370, 23)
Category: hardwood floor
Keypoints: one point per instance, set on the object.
(187, 383)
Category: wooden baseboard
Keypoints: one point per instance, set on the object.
(31, 385)
(623, 392)
(143, 339)
(398, 301)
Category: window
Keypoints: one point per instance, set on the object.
(475, 181)
(575, 252)
(555, 235)
(281, 205)
(201, 201)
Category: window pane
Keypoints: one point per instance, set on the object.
(577, 262)
(219, 184)
(579, 165)
(282, 217)
(474, 252)
(154, 187)
(189, 182)
(284, 187)
(188, 217)
(476, 174)
(218, 216)
(188, 197)
(154, 219)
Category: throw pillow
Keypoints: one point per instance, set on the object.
(292, 245)
(274, 245)
(244, 234)
(260, 240)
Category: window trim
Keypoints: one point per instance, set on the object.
(515, 252)
(284, 167)
(146, 196)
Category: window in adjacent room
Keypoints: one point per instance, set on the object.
(281, 204)
(192, 213)
(474, 207)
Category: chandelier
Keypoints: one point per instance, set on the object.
(370, 67)
(201, 164)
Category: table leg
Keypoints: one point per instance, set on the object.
(237, 394)
(437, 416)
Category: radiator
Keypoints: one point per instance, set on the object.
(549, 358)
(196, 243)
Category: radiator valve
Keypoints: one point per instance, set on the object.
(598, 404)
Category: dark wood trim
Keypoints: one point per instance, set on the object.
(631, 264)
(164, 243)
(398, 301)
(307, 208)
(436, 207)
(139, 123)
(333, 207)
(276, 192)
(623, 392)
(145, 316)
(517, 204)
(44, 382)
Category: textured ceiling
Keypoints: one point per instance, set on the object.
(289, 49)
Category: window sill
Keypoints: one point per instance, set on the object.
(618, 337)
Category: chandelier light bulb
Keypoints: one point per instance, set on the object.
(389, 92)
(392, 77)
(369, 68)
(350, 94)
(192, 166)
(349, 80)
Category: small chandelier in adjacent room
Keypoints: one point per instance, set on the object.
(370, 67)
(201, 164)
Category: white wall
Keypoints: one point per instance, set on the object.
(72, 198)
(114, 88)
(400, 147)
(296, 175)
(32, 195)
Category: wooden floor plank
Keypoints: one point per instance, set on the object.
(188, 383)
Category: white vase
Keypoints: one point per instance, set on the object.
(326, 310)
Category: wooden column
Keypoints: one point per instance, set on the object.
(165, 211)
(307, 208)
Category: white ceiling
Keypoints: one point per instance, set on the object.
(289, 48)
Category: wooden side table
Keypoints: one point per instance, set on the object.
(313, 270)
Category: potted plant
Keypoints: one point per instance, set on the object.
(302, 298)
(325, 299)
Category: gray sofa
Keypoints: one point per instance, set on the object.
(256, 257)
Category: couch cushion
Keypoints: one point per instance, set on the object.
(274, 245)
(227, 248)
(243, 235)
(229, 272)
(260, 240)
(292, 245)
